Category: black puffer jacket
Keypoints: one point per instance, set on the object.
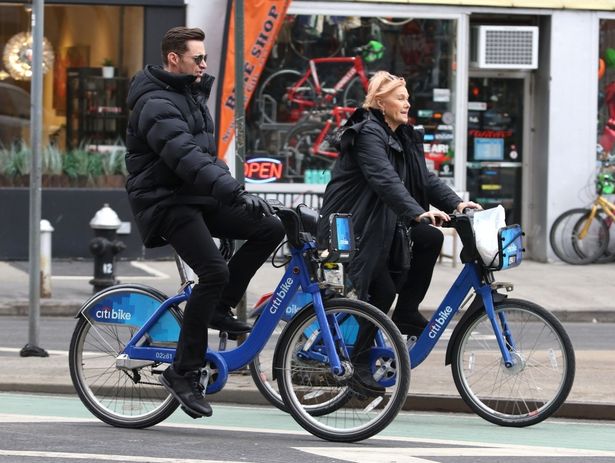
(372, 180)
(171, 152)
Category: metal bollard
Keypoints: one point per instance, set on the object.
(104, 247)
(46, 231)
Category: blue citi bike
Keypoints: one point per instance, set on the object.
(343, 367)
(512, 361)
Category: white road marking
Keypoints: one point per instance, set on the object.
(154, 274)
(416, 454)
(149, 269)
(121, 278)
(102, 457)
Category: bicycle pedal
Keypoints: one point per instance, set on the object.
(190, 413)
(223, 339)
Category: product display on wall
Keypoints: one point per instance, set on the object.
(96, 108)
(317, 75)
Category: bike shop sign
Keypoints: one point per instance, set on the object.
(263, 170)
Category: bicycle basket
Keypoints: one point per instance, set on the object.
(510, 248)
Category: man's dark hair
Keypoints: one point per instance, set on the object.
(175, 40)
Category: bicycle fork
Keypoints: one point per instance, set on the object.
(327, 325)
(588, 222)
(502, 334)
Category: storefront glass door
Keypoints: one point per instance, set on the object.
(495, 143)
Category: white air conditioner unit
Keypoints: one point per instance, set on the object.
(504, 47)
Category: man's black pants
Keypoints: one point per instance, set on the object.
(190, 231)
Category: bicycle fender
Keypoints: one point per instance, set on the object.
(117, 288)
(476, 306)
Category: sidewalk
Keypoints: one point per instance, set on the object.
(572, 293)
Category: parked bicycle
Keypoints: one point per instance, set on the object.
(344, 390)
(286, 95)
(307, 145)
(512, 361)
(582, 235)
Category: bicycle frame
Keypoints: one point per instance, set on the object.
(599, 203)
(339, 114)
(296, 276)
(468, 279)
(358, 68)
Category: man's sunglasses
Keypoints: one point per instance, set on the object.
(198, 59)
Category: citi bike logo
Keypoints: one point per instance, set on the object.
(112, 314)
(437, 324)
(277, 300)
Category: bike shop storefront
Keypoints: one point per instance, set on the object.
(317, 74)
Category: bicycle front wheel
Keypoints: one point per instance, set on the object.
(542, 374)
(125, 394)
(272, 97)
(354, 93)
(570, 246)
(364, 399)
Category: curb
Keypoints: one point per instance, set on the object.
(417, 403)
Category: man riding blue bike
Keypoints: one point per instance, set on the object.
(182, 194)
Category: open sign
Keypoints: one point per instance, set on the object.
(262, 170)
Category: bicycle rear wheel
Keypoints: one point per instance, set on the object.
(354, 93)
(538, 382)
(373, 388)
(299, 145)
(263, 373)
(272, 97)
(569, 247)
(128, 397)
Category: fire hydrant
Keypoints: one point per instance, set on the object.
(104, 247)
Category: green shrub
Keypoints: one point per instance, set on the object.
(52, 160)
(17, 160)
(76, 163)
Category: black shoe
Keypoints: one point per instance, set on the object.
(225, 321)
(187, 389)
(413, 325)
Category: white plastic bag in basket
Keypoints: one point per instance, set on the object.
(486, 226)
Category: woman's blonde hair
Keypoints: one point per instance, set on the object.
(382, 83)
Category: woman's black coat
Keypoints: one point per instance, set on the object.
(371, 180)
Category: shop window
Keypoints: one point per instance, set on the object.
(84, 109)
(317, 75)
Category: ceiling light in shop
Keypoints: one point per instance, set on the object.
(17, 56)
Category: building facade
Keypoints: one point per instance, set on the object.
(514, 96)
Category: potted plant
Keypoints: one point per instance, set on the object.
(17, 164)
(108, 70)
(52, 167)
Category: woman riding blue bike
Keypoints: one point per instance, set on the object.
(381, 178)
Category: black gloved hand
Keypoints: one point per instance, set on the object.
(254, 204)
(227, 248)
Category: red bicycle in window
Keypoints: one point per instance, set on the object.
(307, 145)
(286, 95)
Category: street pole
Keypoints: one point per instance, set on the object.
(36, 125)
(240, 132)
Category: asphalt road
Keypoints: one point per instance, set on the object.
(52, 429)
